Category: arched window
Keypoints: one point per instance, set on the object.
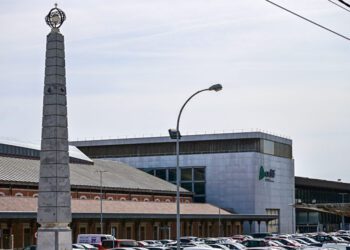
(35, 195)
(146, 200)
(135, 199)
(19, 195)
(157, 200)
(2, 194)
(110, 198)
(83, 197)
(123, 199)
(187, 201)
(96, 197)
(167, 200)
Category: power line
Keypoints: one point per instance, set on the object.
(345, 3)
(338, 5)
(310, 21)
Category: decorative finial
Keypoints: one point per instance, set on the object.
(55, 18)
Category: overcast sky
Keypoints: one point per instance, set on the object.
(132, 64)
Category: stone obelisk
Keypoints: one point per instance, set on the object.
(54, 202)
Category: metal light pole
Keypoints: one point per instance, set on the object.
(101, 212)
(215, 87)
(219, 222)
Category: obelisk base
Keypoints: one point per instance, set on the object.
(54, 238)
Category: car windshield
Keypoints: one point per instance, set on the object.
(310, 240)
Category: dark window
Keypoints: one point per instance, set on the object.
(187, 185)
(161, 173)
(142, 233)
(172, 174)
(128, 233)
(149, 171)
(27, 237)
(199, 187)
(199, 174)
(186, 174)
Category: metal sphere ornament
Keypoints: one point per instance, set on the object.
(55, 18)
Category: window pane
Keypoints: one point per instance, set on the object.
(186, 174)
(187, 186)
(172, 174)
(199, 188)
(161, 173)
(149, 171)
(199, 174)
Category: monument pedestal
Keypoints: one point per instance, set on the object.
(54, 238)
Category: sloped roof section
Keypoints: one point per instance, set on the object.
(19, 149)
(28, 204)
(117, 176)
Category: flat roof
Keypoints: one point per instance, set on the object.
(319, 183)
(185, 138)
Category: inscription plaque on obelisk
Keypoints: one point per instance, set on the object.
(54, 202)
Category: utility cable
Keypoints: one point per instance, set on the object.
(338, 5)
(310, 21)
(345, 3)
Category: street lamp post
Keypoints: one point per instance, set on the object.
(101, 211)
(215, 87)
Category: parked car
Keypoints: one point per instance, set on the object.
(153, 243)
(289, 242)
(120, 243)
(87, 246)
(235, 246)
(158, 248)
(337, 246)
(255, 243)
(324, 238)
(94, 239)
(311, 241)
(166, 242)
(241, 238)
(77, 246)
(33, 247)
(261, 235)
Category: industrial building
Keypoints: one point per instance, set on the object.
(135, 204)
(246, 173)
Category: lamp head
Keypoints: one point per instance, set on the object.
(216, 87)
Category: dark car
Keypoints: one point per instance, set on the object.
(261, 235)
(328, 239)
(107, 244)
(255, 243)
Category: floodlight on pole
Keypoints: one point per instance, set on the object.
(176, 133)
(101, 197)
